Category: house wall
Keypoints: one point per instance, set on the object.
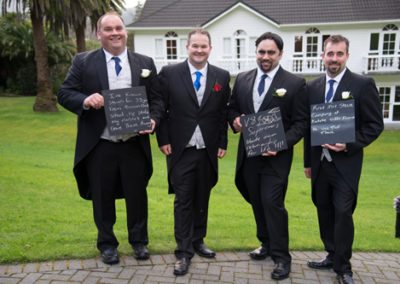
(238, 19)
(241, 18)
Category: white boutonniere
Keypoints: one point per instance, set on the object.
(346, 95)
(280, 92)
(145, 73)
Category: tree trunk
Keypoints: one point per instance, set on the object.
(80, 37)
(45, 99)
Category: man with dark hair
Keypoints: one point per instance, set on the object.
(193, 135)
(335, 169)
(263, 180)
(107, 166)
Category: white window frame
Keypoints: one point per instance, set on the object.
(391, 102)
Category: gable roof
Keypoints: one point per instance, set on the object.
(192, 13)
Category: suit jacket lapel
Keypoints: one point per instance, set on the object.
(343, 86)
(188, 82)
(276, 83)
(135, 70)
(101, 67)
(319, 97)
(250, 80)
(211, 81)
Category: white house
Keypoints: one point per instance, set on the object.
(372, 26)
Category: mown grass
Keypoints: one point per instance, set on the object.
(42, 216)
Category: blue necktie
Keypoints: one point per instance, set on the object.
(117, 64)
(196, 83)
(329, 94)
(261, 85)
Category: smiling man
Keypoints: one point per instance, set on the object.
(335, 169)
(263, 180)
(106, 166)
(193, 135)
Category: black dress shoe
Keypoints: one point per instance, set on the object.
(181, 266)
(281, 271)
(202, 250)
(259, 253)
(345, 278)
(326, 263)
(141, 252)
(110, 256)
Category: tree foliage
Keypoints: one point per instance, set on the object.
(17, 55)
(58, 16)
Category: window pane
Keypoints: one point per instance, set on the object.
(240, 47)
(298, 44)
(397, 94)
(388, 44)
(312, 46)
(324, 37)
(396, 113)
(384, 95)
(374, 42)
(171, 49)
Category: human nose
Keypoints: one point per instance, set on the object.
(335, 57)
(265, 56)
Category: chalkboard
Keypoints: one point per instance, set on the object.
(263, 131)
(127, 110)
(332, 123)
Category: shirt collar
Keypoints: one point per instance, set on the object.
(271, 74)
(121, 56)
(193, 69)
(338, 77)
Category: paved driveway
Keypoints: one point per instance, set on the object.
(227, 267)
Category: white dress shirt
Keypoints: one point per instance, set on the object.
(257, 99)
(197, 137)
(120, 81)
(337, 79)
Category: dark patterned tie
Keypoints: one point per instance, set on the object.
(117, 64)
(261, 85)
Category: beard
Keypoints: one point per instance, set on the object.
(334, 68)
(265, 65)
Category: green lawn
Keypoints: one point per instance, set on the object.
(42, 216)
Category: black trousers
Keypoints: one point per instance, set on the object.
(267, 192)
(118, 165)
(191, 180)
(335, 202)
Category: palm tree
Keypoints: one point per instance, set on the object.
(50, 11)
(76, 12)
(45, 99)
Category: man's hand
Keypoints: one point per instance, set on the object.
(269, 153)
(166, 149)
(338, 147)
(153, 126)
(307, 172)
(221, 153)
(237, 125)
(95, 101)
